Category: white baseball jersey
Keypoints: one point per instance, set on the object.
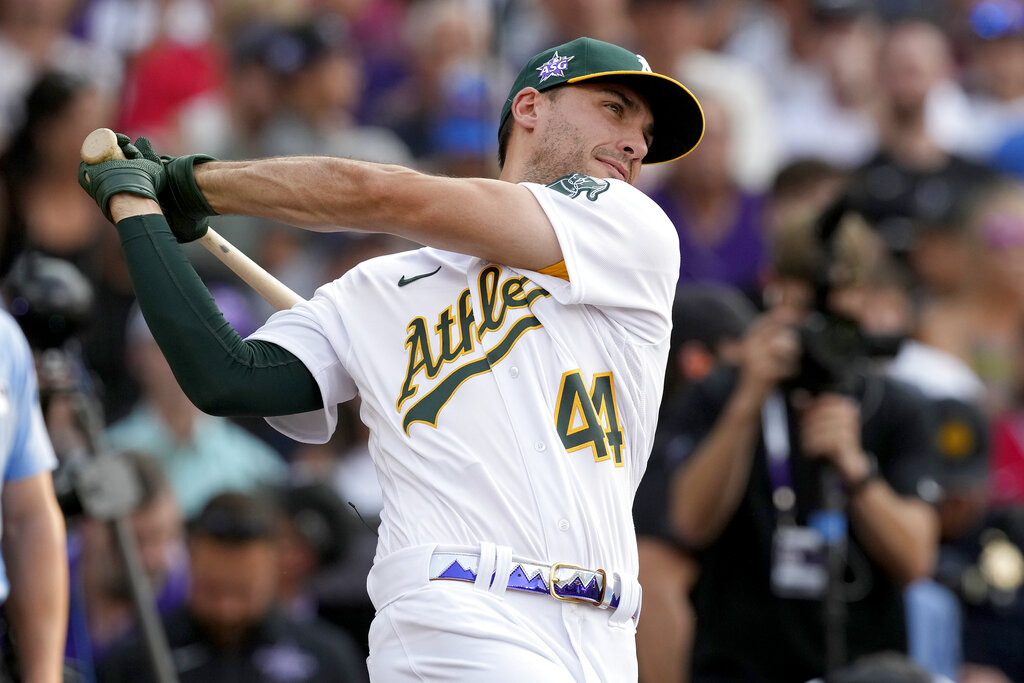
(504, 405)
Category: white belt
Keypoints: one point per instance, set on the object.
(566, 582)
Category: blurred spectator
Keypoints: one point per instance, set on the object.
(345, 463)
(980, 558)
(377, 29)
(708, 324)
(888, 320)
(912, 179)
(319, 84)
(994, 73)
(33, 41)
(980, 323)
(462, 141)
(44, 214)
(232, 628)
(43, 207)
(1007, 484)
(453, 79)
(102, 610)
(942, 256)
(232, 126)
(203, 455)
(181, 65)
(677, 38)
(818, 58)
(1008, 157)
(317, 80)
(528, 26)
(33, 570)
(125, 27)
(721, 227)
(749, 492)
(800, 191)
(314, 532)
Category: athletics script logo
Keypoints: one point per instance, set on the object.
(434, 349)
(574, 185)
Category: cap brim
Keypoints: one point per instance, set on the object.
(678, 118)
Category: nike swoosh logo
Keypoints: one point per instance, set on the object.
(403, 281)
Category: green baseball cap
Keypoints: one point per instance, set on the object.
(678, 119)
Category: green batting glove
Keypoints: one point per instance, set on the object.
(133, 174)
(181, 199)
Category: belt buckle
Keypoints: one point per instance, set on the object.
(553, 580)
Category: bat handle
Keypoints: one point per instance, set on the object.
(270, 288)
(100, 145)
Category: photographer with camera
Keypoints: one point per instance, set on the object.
(805, 482)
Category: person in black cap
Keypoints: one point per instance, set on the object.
(708, 325)
(981, 558)
(509, 374)
(232, 627)
(315, 532)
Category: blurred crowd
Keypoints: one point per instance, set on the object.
(864, 158)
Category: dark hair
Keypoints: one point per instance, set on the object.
(505, 131)
(47, 99)
(797, 176)
(235, 518)
(319, 516)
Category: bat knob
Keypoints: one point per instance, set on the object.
(100, 145)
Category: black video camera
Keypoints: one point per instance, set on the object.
(833, 348)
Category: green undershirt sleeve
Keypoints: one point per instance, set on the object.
(221, 373)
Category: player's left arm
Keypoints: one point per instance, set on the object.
(492, 219)
(37, 568)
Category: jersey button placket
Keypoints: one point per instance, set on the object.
(540, 446)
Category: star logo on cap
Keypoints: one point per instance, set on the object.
(555, 66)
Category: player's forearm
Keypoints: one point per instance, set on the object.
(900, 534)
(221, 373)
(707, 490)
(492, 219)
(34, 554)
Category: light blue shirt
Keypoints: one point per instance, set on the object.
(25, 448)
(221, 456)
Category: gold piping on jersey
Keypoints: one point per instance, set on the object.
(556, 270)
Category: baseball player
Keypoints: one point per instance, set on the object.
(510, 372)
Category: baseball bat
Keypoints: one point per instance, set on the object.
(101, 145)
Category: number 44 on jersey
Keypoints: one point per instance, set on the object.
(588, 417)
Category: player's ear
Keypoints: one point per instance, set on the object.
(525, 107)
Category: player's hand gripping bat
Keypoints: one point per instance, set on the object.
(101, 145)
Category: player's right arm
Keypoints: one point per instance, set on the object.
(495, 220)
